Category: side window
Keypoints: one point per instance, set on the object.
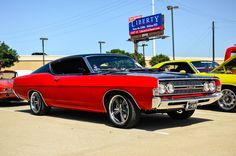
(43, 69)
(169, 68)
(69, 66)
(177, 67)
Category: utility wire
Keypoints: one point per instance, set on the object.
(83, 27)
(74, 19)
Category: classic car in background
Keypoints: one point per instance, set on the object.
(117, 85)
(225, 71)
(230, 52)
(6, 85)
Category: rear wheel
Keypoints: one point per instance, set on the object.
(181, 114)
(122, 111)
(228, 101)
(37, 104)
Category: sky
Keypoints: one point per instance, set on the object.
(75, 26)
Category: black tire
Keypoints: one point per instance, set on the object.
(122, 111)
(227, 102)
(37, 105)
(181, 114)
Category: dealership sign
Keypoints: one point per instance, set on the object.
(140, 25)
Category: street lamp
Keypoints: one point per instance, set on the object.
(144, 45)
(43, 39)
(172, 21)
(100, 45)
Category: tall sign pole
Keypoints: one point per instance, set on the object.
(144, 45)
(213, 40)
(153, 41)
(136, 50)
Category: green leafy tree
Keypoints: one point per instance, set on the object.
(118, 51)
(140, 59)
(158, 59)
(8, 56)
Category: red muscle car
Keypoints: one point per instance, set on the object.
(6, 85)
(117, 85)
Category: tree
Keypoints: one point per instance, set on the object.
(140, 59)
(8, 56)
(118, 51)
(158, 59)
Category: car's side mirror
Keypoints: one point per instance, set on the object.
(182, 71)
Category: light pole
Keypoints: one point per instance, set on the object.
(144, 45)
(213, 41)
(100, 45)
(43, 39)
(172, 21)
(153, 41)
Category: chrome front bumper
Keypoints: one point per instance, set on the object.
(159, 104)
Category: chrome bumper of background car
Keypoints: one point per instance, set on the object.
(159, 104)
(6, 92)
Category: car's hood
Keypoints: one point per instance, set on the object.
(231, 62)
(167, 75)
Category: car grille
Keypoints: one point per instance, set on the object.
(188, 83)
(188, 86)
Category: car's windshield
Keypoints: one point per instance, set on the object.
(112, 63)
(205, 66)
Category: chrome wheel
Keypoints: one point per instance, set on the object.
(228, 101)
(35, 102)
(119, 110)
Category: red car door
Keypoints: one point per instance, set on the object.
(72, 86)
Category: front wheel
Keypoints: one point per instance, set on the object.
(37, 104)
(122, 111)
(227, 102)
(181, 114)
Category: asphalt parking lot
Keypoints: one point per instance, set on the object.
(73, 133)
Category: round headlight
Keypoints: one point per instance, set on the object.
(206, 87)
(162, 88)
(212, 86)
(170, 88)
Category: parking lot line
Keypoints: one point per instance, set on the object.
(156, 131)
(161, 132)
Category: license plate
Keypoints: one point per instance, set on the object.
(191, 105)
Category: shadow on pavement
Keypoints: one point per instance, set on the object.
(12, 103)
(210, 107)
(75, 115)
(150, 122)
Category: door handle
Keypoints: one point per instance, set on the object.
(56, 79)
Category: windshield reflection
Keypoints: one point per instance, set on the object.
(112, 63)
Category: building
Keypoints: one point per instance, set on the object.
(33, 62)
